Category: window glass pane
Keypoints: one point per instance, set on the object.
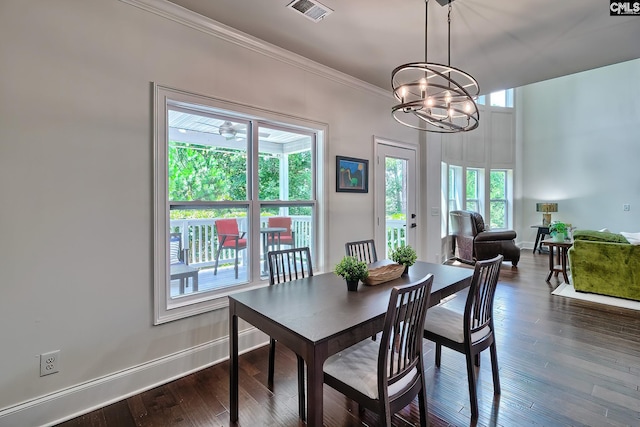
(284, 165)
(455, 187)
(498, 214)
(396, 203)
(502, 98)
(444, 198)
(202, 151)
(480, 100)
(498, 99)
(200, 240)
(452, 184)
(472, 184)
(498, 185)
(509, 98)
(472, 205)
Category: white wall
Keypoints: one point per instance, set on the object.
(580, 146)
(76, 189)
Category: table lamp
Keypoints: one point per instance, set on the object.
(546, 209)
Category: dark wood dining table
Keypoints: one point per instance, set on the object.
(317, 317)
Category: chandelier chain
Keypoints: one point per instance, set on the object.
(449, 34)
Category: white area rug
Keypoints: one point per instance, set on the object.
(568, 291)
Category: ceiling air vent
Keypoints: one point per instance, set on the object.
(312, 10)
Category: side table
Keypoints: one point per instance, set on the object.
(562, 251)
(543, 230)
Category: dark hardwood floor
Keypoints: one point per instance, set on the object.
(562, 362)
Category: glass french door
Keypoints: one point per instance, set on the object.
(395, 197)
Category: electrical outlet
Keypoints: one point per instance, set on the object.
(626, 207)
(49, 363)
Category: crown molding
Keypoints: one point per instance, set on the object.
(206, 25)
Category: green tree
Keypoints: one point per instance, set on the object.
(202, 173)
(215, 174)
(394, 182)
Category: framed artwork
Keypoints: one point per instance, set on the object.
(352, 175)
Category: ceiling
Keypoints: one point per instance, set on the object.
(503, 44)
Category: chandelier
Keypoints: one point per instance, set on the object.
(435, 97)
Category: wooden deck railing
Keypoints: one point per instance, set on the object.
(199, 236)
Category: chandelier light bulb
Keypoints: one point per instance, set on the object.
(423, 87)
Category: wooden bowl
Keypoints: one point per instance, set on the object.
(383, 274)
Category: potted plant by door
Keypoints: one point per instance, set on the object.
(404, 255)
(352, 271)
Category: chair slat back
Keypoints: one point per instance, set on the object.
(401, 342)
(363, 250)
(289, 264)
(479, 306)
(175, 248)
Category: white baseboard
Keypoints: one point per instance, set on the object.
(82, 398)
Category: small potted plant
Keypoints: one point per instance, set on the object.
(404, 255)
(352, 271)
(558, 231)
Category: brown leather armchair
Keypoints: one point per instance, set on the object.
(474, 243)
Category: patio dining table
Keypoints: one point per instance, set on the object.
(270, 234)
(317, 317)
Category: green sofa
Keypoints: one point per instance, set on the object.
(605, 263)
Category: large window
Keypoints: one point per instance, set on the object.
(475, 196)
(230, 186)
(477, 171)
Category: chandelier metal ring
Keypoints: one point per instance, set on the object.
(436, 94)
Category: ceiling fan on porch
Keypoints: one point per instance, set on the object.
(230, 131)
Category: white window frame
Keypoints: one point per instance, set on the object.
(167, 309)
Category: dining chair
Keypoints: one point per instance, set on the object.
(229, 237)
(285, 266)
(386, 375)
(363, 250)
(470, 332)
(286, 237)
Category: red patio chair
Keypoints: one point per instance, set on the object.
(286, 237)
(229, 237)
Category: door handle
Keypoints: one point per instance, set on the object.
(413, 225)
